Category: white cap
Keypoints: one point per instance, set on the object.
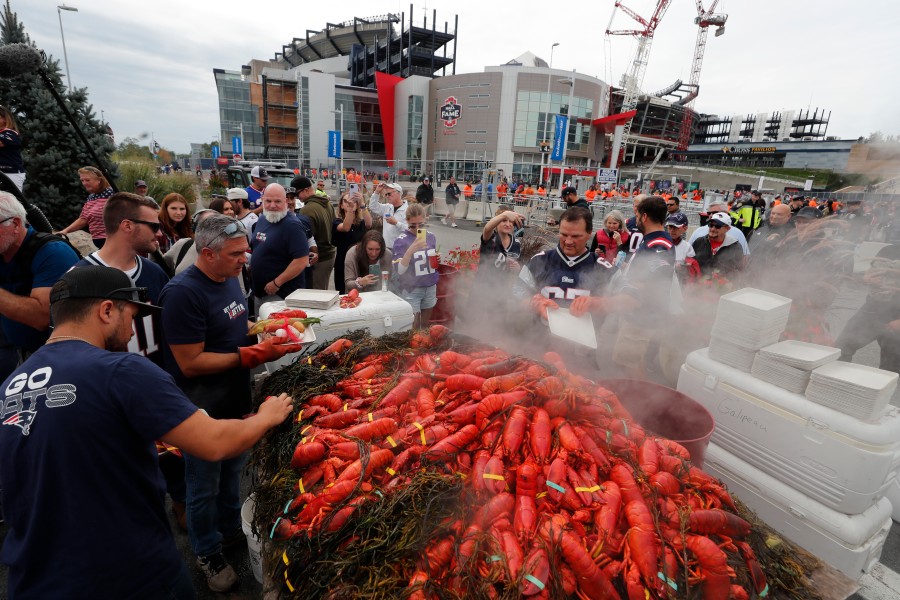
(722, 218)
(236, 194)
(394, 186)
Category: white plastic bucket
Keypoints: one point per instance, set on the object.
(254, 544)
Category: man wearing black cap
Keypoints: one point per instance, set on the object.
(80, 419)
(259, 178)
(140, 188)
(570, 197)
(425, 195)
(797, 202)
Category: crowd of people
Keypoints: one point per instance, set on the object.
(149, 355)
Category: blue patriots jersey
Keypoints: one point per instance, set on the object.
(562, 279)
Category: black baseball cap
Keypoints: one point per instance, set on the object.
(566, 191)
(301, 183)
(808, 212)
(104, 283)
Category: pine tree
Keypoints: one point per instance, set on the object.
(52, 151)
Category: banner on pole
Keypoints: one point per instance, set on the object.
(334, 144)
(215, 151)
(236, 146)
(559, 140)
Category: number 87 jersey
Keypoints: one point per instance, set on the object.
(562, 279)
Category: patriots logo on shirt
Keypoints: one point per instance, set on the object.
(22, 419)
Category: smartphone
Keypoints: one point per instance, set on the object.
(420, 234)
(354, 188)
(375, 270)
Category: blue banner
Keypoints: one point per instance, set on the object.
(215, 150)
(334, 144)
(559, 138)
(236, 146)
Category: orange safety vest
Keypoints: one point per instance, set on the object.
(468, 191)
(590, 195)
(541, 191)
(501, 190)
(529, 191)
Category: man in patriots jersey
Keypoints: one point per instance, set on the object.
(631, 224)
(557, 277)
(643, 292)
(131, 223)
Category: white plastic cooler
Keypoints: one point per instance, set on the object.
(850, 543)
(379, 312)
(839, 461)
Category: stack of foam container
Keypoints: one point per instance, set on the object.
(747, 320)
(819, 477)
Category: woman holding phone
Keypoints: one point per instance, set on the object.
(366, 262)
(415, 265)
(353, 220)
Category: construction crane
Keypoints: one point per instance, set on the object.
(705, 19)
(634, 78)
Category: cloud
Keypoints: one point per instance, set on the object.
(149, 67)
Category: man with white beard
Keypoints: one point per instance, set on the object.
(280, 249)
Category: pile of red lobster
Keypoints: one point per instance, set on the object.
(566, 484)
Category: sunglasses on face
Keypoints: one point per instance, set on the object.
(154, 227)
(715, 225)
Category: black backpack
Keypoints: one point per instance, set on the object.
(24, 257)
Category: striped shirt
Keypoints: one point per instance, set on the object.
(92, 212)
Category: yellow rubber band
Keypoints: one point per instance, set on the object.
(391, 472)
(540, 495)
(371, 418)
(421, 432)
(285, 558)
(391, 442)
(300, 415)
(288, 582)
(309, 360)
(322, 368)
(300, 486)
(305, 429)
(368, 391)
(590, 490)
(493, 476)
(346, 404)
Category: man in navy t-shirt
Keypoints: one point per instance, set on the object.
(81, 490)
(207, 351)
(280, 249)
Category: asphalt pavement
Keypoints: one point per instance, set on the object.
(882, 584)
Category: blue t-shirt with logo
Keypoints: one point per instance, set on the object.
(147, 339)
(82, 491)
(253, 196)
(197, 309)
(275, 245)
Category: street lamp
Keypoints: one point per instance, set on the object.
(340, 111)
(59, 9)
(547, 114)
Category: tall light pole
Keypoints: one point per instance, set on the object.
(59, 9)
(340, 111)
(569, 114)
(547, 116)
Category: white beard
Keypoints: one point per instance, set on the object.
(274, 216)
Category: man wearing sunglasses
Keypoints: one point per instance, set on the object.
(32, 263)
(392, 211)
(716, 251)
(80, 419)
(131, 223)
(207, 351)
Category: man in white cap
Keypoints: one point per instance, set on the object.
(241, 203)
(716, 251)
(259, 178)
(393, 211)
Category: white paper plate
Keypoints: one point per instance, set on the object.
(757, 301)
(801, 355)
(575, 329)
(854, 376)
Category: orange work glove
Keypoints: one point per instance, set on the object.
(266, 351)
(586, 304)
(540, 305)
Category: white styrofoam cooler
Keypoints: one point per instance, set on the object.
(844, 463)
(379, 312)
(850, 543)
(893, 494)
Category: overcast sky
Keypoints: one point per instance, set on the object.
(148, 65)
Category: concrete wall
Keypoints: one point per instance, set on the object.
(321, 119)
